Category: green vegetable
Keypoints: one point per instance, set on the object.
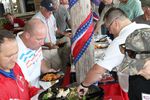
(84, 97)
(45, 97)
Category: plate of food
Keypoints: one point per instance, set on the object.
(70, 93)
(104, 39)
(100, 45)
(100, 38)
(50, 78)
(94, 93)
(54, 94)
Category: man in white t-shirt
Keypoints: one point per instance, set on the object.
(46, 16)
(30, 57)
(121, 27)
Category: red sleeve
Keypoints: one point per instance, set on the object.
(33, 91)
(8, 26)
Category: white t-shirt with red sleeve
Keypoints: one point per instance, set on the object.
(30, 62)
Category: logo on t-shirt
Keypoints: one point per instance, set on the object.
(31, 57)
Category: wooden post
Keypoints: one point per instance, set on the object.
(79, 13)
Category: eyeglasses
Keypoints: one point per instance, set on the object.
(109, 25)
(132, 54)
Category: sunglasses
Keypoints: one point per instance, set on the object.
(132, 54)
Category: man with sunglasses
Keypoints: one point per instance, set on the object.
(137, 52)
(120, 26)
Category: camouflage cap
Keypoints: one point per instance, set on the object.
(145, 3)
(137, 41)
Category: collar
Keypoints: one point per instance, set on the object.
(127, 28)
(8, 74)
(21, 44)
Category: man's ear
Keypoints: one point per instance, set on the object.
(117, 23)
(28, 35)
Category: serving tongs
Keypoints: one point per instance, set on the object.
(102, 39)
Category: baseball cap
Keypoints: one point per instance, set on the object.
(48, 4)
(138, 41)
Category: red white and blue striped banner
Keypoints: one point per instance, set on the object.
(72, 2)
(95, 16)
(83, 36)
(96, 2)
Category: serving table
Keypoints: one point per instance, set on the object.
(112, 90)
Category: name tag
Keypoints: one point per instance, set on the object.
(145, 96)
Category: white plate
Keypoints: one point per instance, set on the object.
(46, 85)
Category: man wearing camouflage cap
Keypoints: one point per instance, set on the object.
(137, 52)
(145, 18)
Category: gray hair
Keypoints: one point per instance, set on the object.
(56, 2)
(114, 13)
(32, 25)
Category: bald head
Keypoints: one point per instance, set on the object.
(34, 34)
(35, 25)
(56, 3)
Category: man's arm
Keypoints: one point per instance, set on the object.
(97, 26)
(94, 74)
(44, 67)
(50, 45)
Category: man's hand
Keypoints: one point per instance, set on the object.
(52, 70)
(50, 46)
(81, 90)
(54, 47)
(69, 34)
